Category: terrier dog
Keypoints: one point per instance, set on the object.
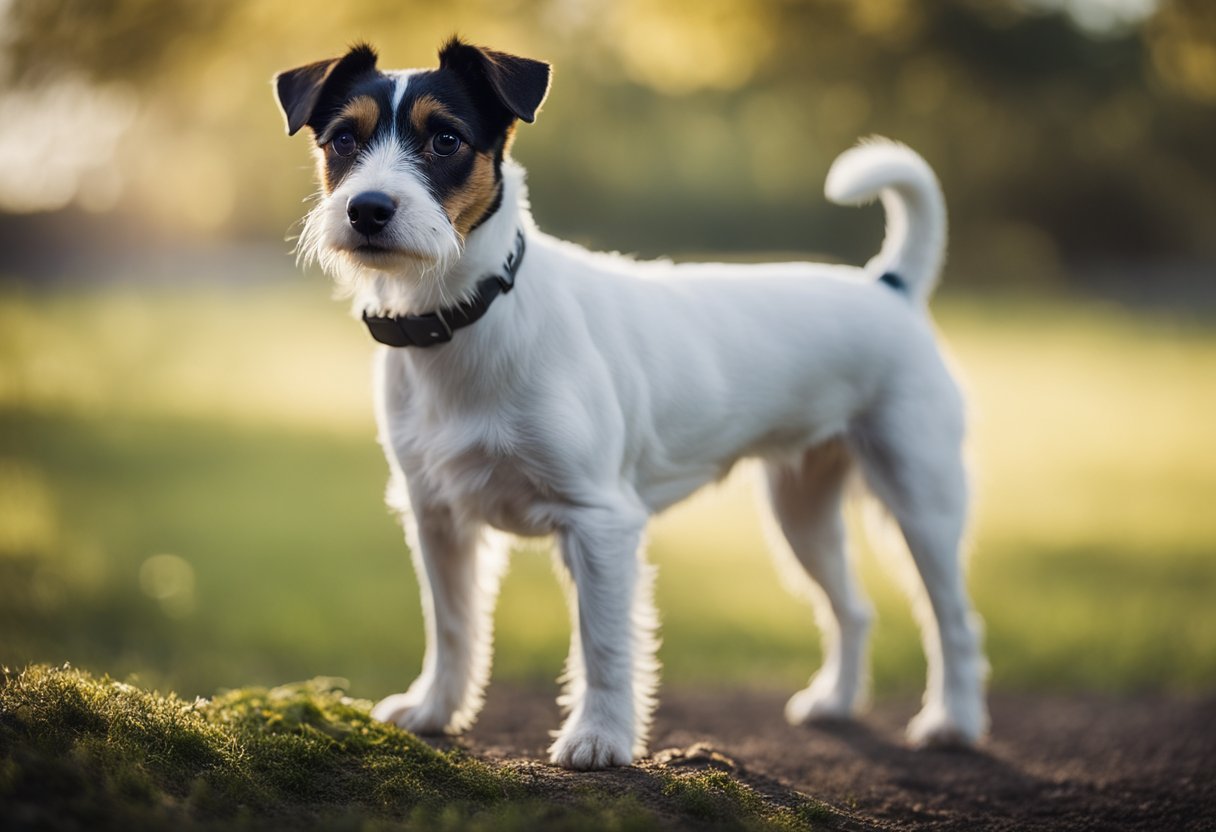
(530, 387)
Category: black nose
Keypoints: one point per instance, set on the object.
(370, 211)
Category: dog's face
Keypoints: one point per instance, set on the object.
(410, 161)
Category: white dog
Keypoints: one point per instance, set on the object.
(534, 388)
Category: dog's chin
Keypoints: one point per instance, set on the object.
(386, 258)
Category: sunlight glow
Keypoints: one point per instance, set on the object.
(60, 140)
(169, 580)
(717, 45)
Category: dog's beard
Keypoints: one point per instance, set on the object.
(404, 264)
(416, 267)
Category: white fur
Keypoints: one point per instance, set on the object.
(430, 247)
(915, 246)
(603, 390)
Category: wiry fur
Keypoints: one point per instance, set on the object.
(423, 230)
(602, 390)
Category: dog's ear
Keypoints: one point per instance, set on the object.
(518, 85)
(309, 95)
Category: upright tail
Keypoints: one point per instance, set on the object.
(915, 245)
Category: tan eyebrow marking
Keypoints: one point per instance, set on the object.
(427, 106)
(363, 112)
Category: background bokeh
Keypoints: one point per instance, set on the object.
(189, 487)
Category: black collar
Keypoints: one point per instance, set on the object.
(437, 327)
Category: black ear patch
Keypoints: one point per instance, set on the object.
(310, 95)
(517, 85)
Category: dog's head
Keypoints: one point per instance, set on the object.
(410, 162)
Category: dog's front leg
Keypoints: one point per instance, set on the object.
(611, 672)
(459, 574)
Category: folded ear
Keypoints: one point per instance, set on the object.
(519, 85)
(308, 95)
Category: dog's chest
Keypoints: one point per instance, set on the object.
(480, 460)
(498, 486)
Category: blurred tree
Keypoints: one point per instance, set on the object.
(1059, 133)
(1182, 41)
(105, 39)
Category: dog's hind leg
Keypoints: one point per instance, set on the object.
(911, 453)
(611, 672)
(806, 495)
(459, 570)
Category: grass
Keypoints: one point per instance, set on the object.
(190, 497)
(77, 751)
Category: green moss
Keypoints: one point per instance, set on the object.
(83, 748)
(80, 751)
(721, 801)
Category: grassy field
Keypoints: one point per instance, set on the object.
(190, 495)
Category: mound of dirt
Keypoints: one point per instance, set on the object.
(1053, 762)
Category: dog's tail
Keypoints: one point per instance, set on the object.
(915, 247)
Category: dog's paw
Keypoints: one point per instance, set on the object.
(808, 705)
(935, 727)
(416, 714)
(811, 705)
(586, 749)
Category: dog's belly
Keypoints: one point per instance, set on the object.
(661, 482)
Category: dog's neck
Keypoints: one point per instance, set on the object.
(485, 251)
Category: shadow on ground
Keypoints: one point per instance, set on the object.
(1059, 761)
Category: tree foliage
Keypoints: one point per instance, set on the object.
(691, 125)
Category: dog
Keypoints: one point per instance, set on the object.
(528, 387)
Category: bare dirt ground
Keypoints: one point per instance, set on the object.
(1053, 762)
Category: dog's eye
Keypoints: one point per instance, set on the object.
(344, 144)
(445, 144)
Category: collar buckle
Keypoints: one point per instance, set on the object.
(427, 330)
